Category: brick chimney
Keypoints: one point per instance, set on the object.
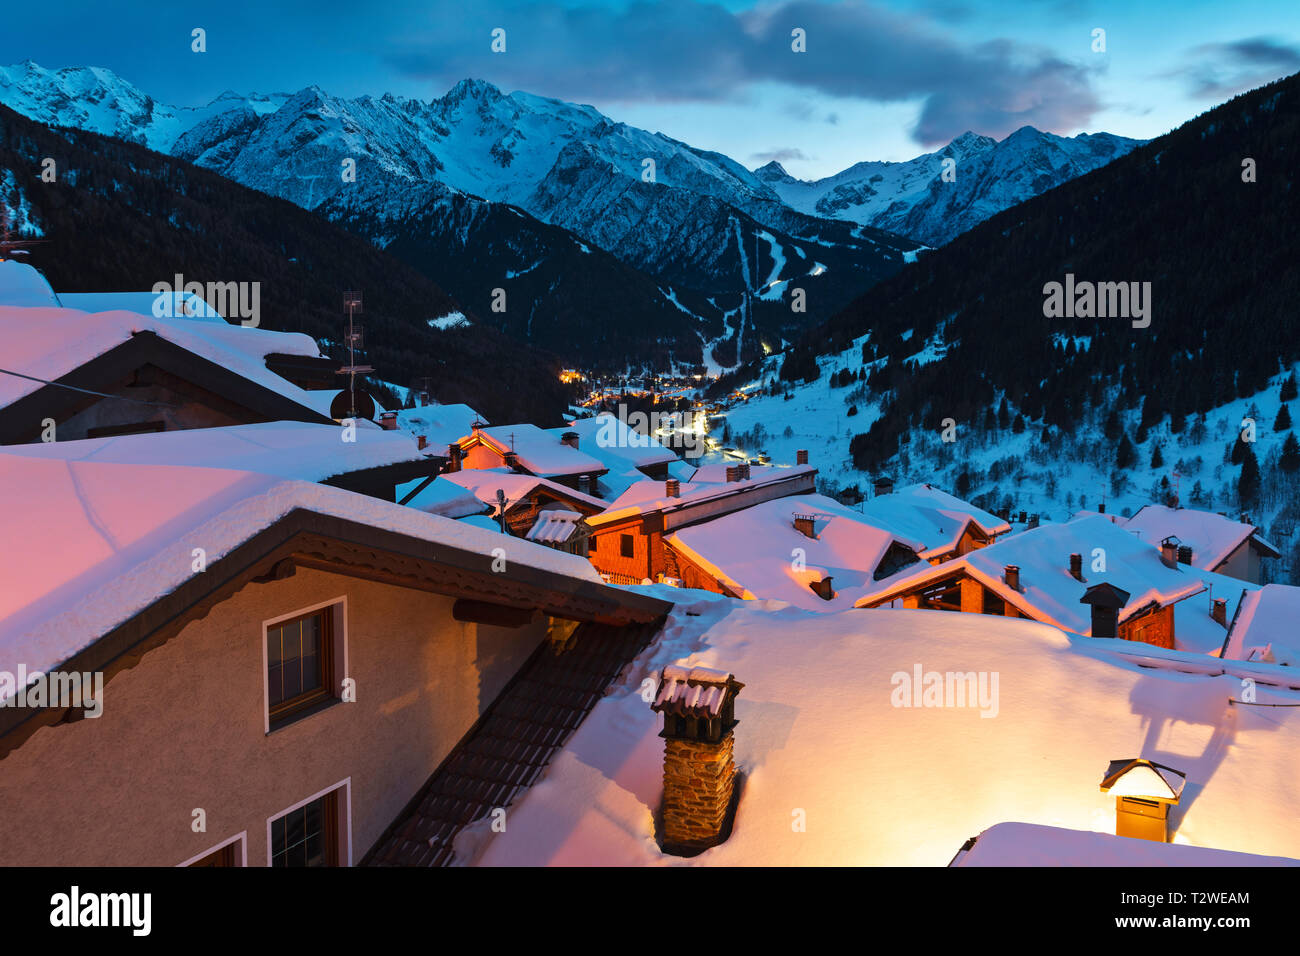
(388, 421)
(673, 488)
(1011, 575)
(1184, 554)
(805, 525)
(1076, 567)
(733, 473)
(570, 439)
(698, 704)
(1219, 610)
(744, 471)
(801, 456)
(420, 442)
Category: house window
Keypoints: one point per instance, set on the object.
(592, 544)
(300, 655)
(308, 835)
(229, 854)
(626, 546)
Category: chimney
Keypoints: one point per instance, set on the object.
(388, 421)
(801, 456)
(511, 460)
(453, 455)
(1106, 600)
(1011, 575)
(1219, 610)
(424, 398)
(1184, 554)
(824, 589)
(1142, 801)
(1101, 508)
(570, 439)
(673, 488)
(744, 471)
(805, 525)
(733, 473)
(1076, 567)
(698, 704)
(420, 442)
(1169, 552)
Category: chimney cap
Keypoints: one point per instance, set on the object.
(1105, 594)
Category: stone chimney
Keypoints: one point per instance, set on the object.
(1219, 610)
(1011, 575)
(698, 704)
(570, 439)
(806, 526)
(673, 488)
(453, 456)
(1076, 567)
(801, 456)
(388, 421)
(1169, 552)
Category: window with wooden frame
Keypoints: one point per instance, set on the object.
(300, 660)
(228, 855)
(626, 546)
(309, 835)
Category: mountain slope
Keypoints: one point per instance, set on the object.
(913, 199)
(120, 218)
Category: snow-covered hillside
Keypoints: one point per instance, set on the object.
(913, 199)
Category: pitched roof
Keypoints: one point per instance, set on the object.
(1266, 619)
(609, 439)
(1212, 537)
(439, 497)
(1047, 590)
(441, 425)
(539, 451)
(484, 483)
(924, 513)
(554, 526)
(650, 495)
(750, 550)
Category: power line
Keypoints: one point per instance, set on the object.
(87, 391)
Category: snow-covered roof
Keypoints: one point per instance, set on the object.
(1212, 537)
(1266, 619)
(102, 541)
(554, 526)
(1194, 628)
(651, 495)
(752, 551)
(540, 451)
(1029, 844)
(1048, 592)
(301, 450)
(484, 483)
(609, 439)
(50, 343)
(924, 513)
(24, 286)
(441, 425)
(439, 497)
(172, 305)
(830, 725)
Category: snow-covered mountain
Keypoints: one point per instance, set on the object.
(912, 198)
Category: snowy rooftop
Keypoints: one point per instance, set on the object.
(540, 451)
(50, 343)
(1047, 589)
(1027, 844)
(439, 497)
(554, 526)
(926, 514)
(882, 781)
(751, 550)
(102, 541)
(484, 483)
(23, 285)
(300, 450)
(651, 494)
(178, 305)
(441, 425)
(1265, 627)
(619, 447)
(1212, 537)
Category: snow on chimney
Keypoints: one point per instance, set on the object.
(806, 526)
(698, 704)
(1169, 552)
(733, 473)
(1219, 610)
(801, 456)
(570, 439)
(388, 421)
(1076, 567)
(1011, 575)
(511, 460)
(673, 488)
(744, 471)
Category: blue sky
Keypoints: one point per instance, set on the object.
(881, 79)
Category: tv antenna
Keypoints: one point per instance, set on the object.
(355, 339)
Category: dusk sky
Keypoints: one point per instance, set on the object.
(885, 79)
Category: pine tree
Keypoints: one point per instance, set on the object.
(1018, 425)
(1157, 459)
(1248, 482)
(1290, 460)
(1124, 454)
(1111, 428)
(1283, 421)
(1288, 393)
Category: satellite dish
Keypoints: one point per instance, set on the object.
(341, 407)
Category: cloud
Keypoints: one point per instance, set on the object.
(781, 155)
(698, 50)
(1218, 71)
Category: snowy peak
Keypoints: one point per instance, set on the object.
(773, 172)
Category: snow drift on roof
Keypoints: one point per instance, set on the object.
(1267, 616)
(1027, 844)
(609, 439)
(1212, 537)
(24, 286)
(926, 514)
(484, 483)
(541, 452)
